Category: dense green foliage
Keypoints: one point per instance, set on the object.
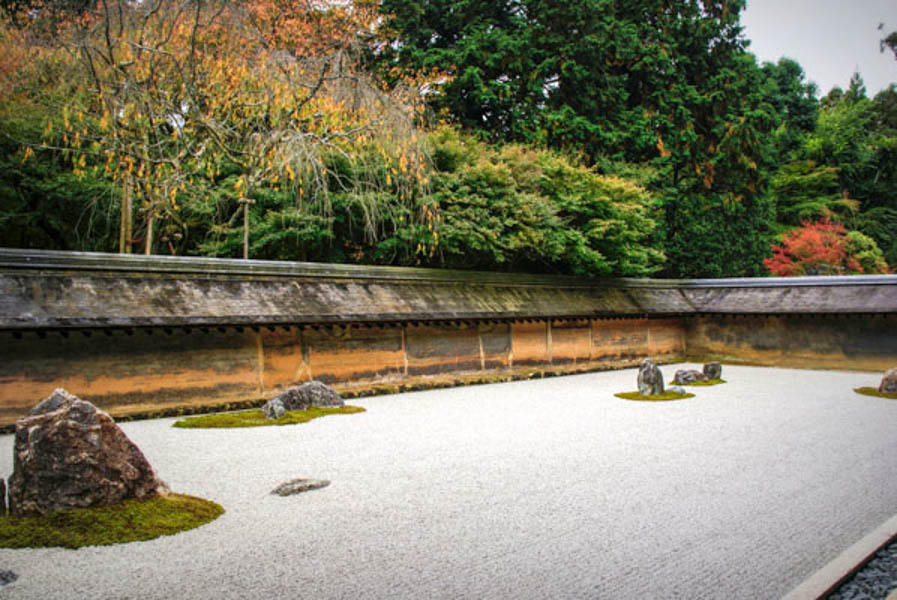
(590, 137)
(255, 418)
(515, 208)
(128, 521)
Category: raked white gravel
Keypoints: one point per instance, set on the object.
(551, 488)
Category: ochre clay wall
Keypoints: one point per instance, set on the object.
(147, 371)
(860, 342)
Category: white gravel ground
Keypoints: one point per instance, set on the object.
(540, 489)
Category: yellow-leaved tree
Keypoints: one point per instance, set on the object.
(162, 94)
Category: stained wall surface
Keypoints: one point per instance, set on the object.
(855, 342)
(147, 371)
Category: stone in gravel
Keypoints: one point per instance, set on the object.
(650, 379)
(686, 376)
(889, 382)
(2, 497)
(70, 454)
(713, 370)
(297, 486)
(274, 408)
(300, 397)
(7, 577)
(676, 390)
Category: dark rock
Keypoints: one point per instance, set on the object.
(713, 370)
(7, 577)
(686, 376)
(650, 379)
(70, 454)
(2, 497)
(889, 382)
(52, 402)
(300, 397)
(297, 486)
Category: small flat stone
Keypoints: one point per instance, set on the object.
(297, 486)
(7, 577)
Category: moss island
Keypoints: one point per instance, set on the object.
(128, 521)
(871, 391)
(255, 418)
(654, 397)
(705, 383)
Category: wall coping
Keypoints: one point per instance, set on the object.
(50, 290)
(50, 260)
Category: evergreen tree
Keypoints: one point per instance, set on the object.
(659, 80)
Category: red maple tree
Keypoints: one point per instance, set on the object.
(819, 248)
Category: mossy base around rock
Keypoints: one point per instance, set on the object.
(128, 521)
(871, 391)
(705, 383)
(256, 418)
(654, 398)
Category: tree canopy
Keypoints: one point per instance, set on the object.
(591, 137)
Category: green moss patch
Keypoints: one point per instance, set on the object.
(708, 382)
(655, 398)
(128, 521)
(256, 418)
(871, 391)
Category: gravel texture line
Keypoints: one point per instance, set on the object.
(549, 488)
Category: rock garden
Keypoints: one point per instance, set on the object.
(79, 481)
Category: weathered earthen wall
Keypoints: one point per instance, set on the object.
(151, 370)
(860, 342)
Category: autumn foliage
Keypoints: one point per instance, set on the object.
(824, 248)
(168, 97)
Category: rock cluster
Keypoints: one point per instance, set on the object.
(889, 382)
(686, 376)
(300, 397)
(711, 371)
(70, 454)
(650, 379)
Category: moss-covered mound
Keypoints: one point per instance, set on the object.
(255, 418)
(707, 382)
(128, 521)
(654, 398)
(871, 391)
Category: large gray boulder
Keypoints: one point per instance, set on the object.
(70, 454)
(889, 382)
(650, 379)
(300, 397)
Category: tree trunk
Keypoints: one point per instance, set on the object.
(124, 240)
(246, 228)
(149, 233)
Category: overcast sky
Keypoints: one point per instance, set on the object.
(829, 38)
